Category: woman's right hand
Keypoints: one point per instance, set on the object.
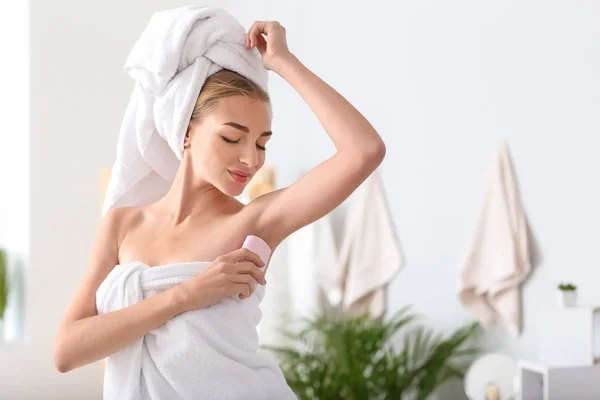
(234, 273)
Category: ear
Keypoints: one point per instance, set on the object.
(186, 140)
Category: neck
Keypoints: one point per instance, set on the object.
(190, 196)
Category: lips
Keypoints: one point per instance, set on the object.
(241, 173)
(239, 176)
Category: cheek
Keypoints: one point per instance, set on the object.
(262, 156)
(220, 154)
(207, 155)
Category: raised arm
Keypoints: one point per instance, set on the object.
(360, 150)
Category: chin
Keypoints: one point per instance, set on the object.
(232, 190)
(232, 187)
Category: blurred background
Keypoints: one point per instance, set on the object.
(443, 83)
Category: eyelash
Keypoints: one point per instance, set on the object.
(237, 141)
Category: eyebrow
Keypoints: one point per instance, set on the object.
(245, 128)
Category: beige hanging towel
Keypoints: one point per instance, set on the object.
(370, 255)
(498, 258)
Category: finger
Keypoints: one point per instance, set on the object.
(241, 289)
(246, 279)
(247, 289)
(256, 30)
(249, 268)
(250, 33)
(263, 26)
(244, 254)
(261, 43)
(240, 255)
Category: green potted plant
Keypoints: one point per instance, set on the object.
(567, 293)
(4, 288)
(355, 359)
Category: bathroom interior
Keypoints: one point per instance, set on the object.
(479, 230)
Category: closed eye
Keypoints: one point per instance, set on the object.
(229, 140)
(237, 141)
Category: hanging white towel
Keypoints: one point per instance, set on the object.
(312, 260)
(370, 255)
(179, 49)
(498, 258)
(276, 306)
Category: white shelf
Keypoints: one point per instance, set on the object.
(541, 382)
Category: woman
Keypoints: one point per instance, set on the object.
(199, 218)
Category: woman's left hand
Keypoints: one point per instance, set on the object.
(272, 49)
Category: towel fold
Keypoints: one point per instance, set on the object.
(209, 353)
(497, 259)
(370, 255)
(179, 49)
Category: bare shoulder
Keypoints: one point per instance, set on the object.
(111, 231)
(119, 220)
(114, 217)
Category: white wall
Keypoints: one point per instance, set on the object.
(441, 81)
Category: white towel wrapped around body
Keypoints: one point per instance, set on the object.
(498, 258)
(179, 49)
(209, 353)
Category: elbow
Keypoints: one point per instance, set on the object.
(61, 368)
(374, 154)
(378, 153)
(366, 156)
(60, 362)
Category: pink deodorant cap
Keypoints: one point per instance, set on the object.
(258, 246)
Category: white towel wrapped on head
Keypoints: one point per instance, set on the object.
(179, 49)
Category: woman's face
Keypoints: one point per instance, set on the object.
(228, 145)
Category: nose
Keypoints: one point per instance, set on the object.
(250, 156)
